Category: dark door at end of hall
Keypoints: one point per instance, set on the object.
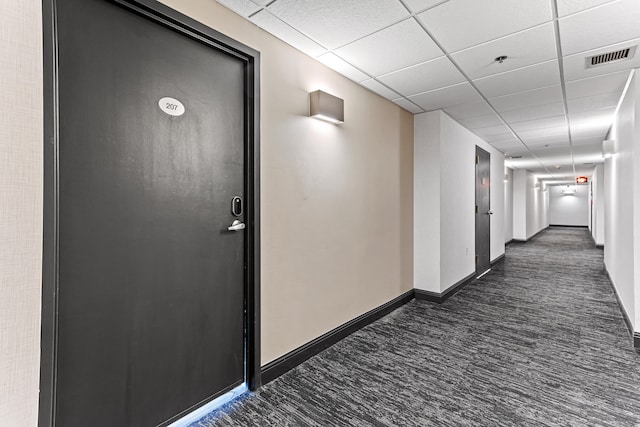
(151, 282)
(483, 211)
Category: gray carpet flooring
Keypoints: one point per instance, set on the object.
(538, 341)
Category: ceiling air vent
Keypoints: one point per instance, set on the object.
(605, 58)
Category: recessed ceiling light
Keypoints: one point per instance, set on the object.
(557, 166)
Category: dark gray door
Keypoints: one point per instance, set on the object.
(151, 282)
(483, 211)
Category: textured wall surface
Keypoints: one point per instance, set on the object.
(569, 210)
(20, 210)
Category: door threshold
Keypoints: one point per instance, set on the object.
(483, 274)
(216, 403)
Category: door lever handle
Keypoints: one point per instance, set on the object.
(490, 213)
(236, 225)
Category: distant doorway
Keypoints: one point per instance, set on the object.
(483, 211)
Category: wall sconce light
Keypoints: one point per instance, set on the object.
(608, 147)
(326, 107)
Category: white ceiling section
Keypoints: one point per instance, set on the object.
(542, 106)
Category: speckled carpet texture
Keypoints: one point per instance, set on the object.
(539, 341)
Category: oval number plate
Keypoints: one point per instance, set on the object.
(171, 106)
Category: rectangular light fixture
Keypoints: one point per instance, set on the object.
(569, 191)
(326, 107)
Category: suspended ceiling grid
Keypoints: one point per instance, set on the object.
(542, 106)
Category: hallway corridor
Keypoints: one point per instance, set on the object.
(539, 340)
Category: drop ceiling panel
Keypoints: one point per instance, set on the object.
(601, 26)
(574, 65)
(334, 23)
(380, 89)
(555, 134)
(523, 79)
(423, 77)
(527, 162)
(525, 48)
(492, 131)
(586, 141)
(587, 154)
(507, 138)
(531, 98)
(417, 6)
(593, 131)
(491, 138)
(342, 67)
(241, 7)
(595, 102)
(273, 25)
(507, 147)
(391, 49)
(596, 85)
(568, 7)
(533, 113)
(481, 121)
(408, 105)
(539, 124)
(460, 24)
(591, 124)
(458, 94)
(465, 111)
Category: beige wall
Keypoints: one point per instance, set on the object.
(336, 200)
(20, 209)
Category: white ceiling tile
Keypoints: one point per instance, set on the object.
(530, 98)
(553, 155)
(590, 132)
(380, 89)
(334, 23)
(408, 105)
(417, 6)
(507, 147)
(568, 7)
(546, 141)
(532, 77)
(262, 2)
(241, 7)
(481, 121)
(592, 120)
(491, 132)
(586, 141)
(596, 85)
(533, 113)
(461, 93)
(342, 67)
(507, 138)
(430, 75)
(601, 26)
(391, 49)
(523, 48)
(465, 111)
(499, 137)
(459, 24)
(596, 102)
(559, 133)
(575, 68)
(549, 122)
(588, 153)
(273, 25)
